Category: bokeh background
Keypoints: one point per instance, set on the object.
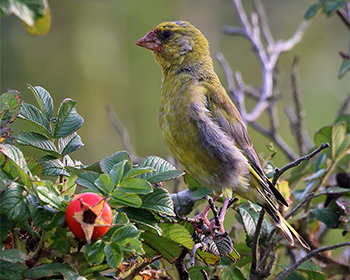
(89, 55)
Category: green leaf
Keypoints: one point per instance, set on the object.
(69, 144)
(42, 216)
(117, 171)
(168, 244)
(10, 106)
(105, 184)
(107, 163)
(15, 164)
(59, 240)
(123, 232)
(346, 119)
(14, 204)
(327, 216)
(12, 264)
(37, 140)
(87, 180)
(177, 233)
(333, 6)
(51, 269)
(44, 100)
(114, 255)
(344, 67)
(51, 196)
(294, 276)
(160, 201)
(42, 25)
(57, 220)
(195, 272)
(95, 254)
(135, 185)
(137, 171)
(33, 165)
(33, 115)
(311, 10)
(312, 270)
(53, 166)
(6, 226)
(27, 11)
(141, 216)
(119, 198)
(164, 171)
(336, 136)
(229, 272)
(68, 119)
(249, 220)
(13, 256)
(170, 250)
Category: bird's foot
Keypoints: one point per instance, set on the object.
(216, 227)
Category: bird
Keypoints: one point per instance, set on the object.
(203, 128)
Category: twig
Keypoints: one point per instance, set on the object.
(263, 20)
(123, 132)
(288, 271)
(180, 265)
(255, 245)
(279, 172)
(297, 124)
(205, 275)
(344, 16)
(141, 267)
(277, 138)
(345, 104)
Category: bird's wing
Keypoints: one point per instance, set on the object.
(230, 121)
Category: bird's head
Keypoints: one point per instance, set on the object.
(176, 44)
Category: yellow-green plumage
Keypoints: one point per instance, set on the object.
(201, 125)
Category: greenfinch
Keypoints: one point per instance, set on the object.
(202, 126)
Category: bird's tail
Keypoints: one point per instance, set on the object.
(286, 228)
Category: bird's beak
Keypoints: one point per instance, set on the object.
(149, 41)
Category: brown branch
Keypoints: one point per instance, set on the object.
(180, 265)
(123, 132)
(313, 253)
(255, 246)
(277, 139)
(279, 172)
(297, 125)
(344, 106)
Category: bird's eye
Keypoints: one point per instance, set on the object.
(166, 34)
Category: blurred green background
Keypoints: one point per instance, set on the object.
(89, 55)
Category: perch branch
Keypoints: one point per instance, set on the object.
(288, 271)
(255, 246)
(279, 172)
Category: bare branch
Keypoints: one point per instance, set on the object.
(255, 245)
(180, 265)
(278, 139)
(344, 106)
(279, 172)
(288, 271)
(264, 23)
(123, 132)
(296, 119)
(234, 31)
